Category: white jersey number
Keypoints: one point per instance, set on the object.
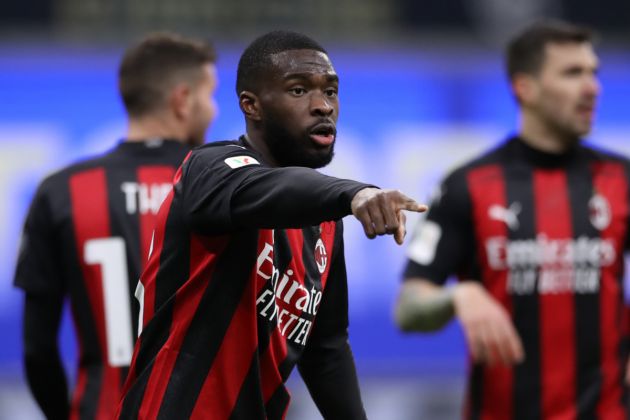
(110, 254)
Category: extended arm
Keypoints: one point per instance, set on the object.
(222, 194)
(291, 197)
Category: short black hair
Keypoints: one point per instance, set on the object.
(256, 60)
(525, 53)
(149, 67)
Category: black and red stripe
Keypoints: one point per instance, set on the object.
(235, 361)
(557, 310)
(99, 211)
(526, 397)
(609, 178)
(573, 340)
(150, 175)
(487, 187)
(89, 201)
(90, 216)
(588, 384)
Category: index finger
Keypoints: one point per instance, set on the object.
(412, 205)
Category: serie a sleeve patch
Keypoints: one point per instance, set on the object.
(239, 161)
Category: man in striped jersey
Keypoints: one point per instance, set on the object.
(88, 231)
(247, 277)
(536, 230)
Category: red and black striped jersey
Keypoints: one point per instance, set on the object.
(546, 236)
(87, 237)
(246, 278)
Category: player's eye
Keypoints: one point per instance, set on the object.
(297, 91)
(331, 92)
(574, 71)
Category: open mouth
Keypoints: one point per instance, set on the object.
(323, 134)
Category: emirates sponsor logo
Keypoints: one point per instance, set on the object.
(505, 254)
(543, 265)
(285, 300)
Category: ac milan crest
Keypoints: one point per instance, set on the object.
(321, 259)
(599, 211)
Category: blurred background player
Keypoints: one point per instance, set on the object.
(88, 231)
(535, 230)
(247, 277)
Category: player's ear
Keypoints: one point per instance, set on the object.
(250, 105)
(525, 88)
(180, 100)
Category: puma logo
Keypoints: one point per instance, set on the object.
(507, 215)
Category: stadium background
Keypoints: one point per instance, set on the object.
(422, 89)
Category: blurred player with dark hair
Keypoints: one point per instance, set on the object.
(89, 228)
(535, 230)
(247, 277)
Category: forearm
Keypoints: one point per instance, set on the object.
(47, 381)
(332, 381)
(424, 307)
(44, 370)
(292, 197)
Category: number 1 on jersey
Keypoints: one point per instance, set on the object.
(110, 254)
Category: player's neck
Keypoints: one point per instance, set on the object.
(540, 136)
(142, 129)
(256, 141)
